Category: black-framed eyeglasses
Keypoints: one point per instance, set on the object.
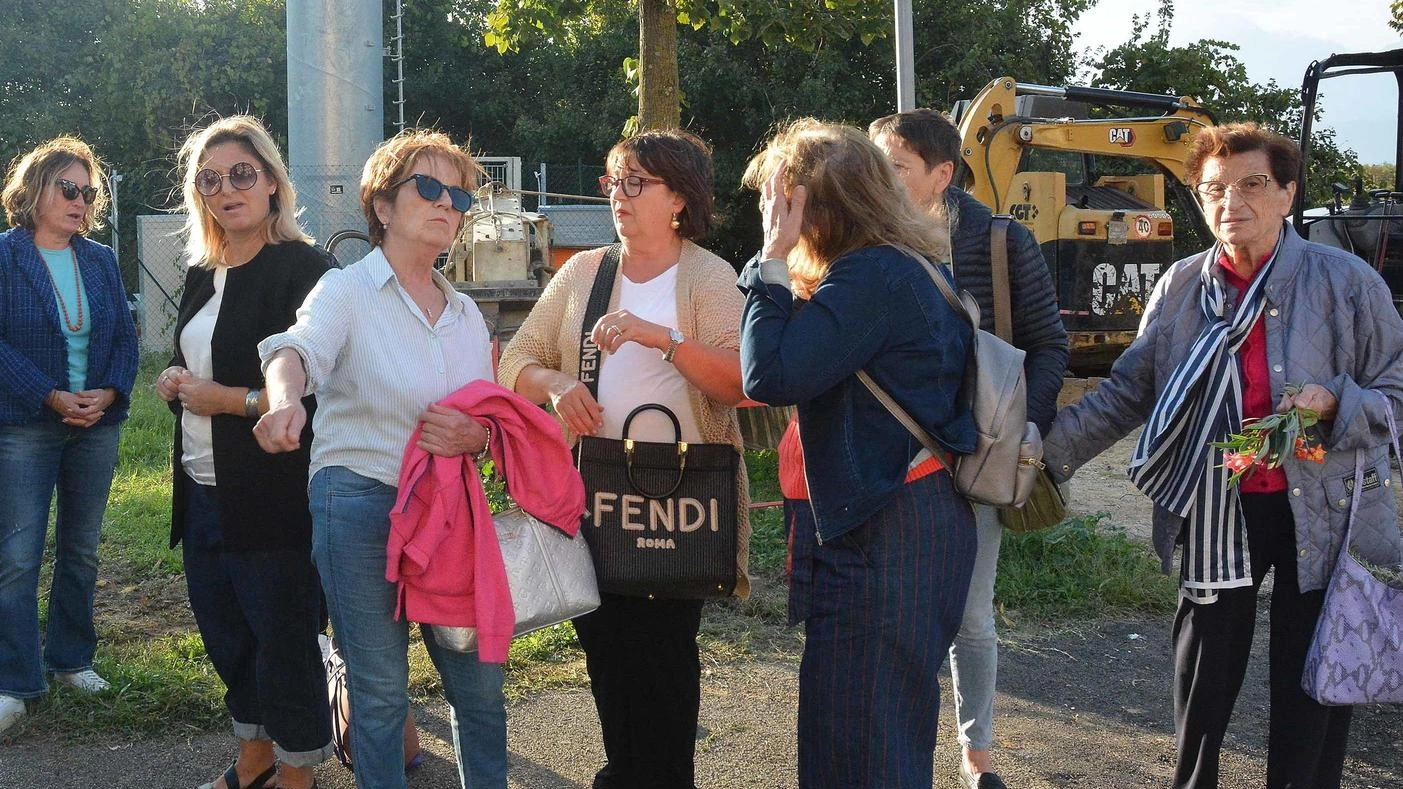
(1246, 186)
(633, 184)
(71, 191)
(430, 188)
(242, 176)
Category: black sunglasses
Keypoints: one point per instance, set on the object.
(242, 176)
(430, 188)
(70, 191)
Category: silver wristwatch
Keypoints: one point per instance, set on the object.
(675, 338)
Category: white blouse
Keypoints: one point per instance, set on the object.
(375, 363)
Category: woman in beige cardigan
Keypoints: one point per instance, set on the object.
(670, 336)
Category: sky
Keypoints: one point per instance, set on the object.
(1277, 39)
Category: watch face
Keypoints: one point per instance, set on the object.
(675, 335)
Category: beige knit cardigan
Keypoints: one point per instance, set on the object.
(708, 310)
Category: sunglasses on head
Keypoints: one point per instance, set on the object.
(430, 188)
(242, 176)
(70, 191)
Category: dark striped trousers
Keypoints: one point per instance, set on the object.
(880, 605)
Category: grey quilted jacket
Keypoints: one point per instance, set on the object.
(1330, 320)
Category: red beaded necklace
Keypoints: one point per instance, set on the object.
(78, 286)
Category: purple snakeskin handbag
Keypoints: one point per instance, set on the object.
(1356, 656)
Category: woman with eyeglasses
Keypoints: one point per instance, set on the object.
(1262, 321)
(68, 356)
(380, 343)
(239, 513)
(670, 335)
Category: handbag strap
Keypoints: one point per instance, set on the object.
(998, 268)
(906, 420)
(887, 401)
(1356, 494)
(595, 308)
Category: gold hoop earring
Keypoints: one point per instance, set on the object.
(675, 223)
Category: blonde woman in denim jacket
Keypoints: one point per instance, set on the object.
(883, 547)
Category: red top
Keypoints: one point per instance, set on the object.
(793, 485)
(1257, 400)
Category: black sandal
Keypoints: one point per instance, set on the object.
(231, 778)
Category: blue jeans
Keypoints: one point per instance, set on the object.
(350, 526)
(974, 657)
(35, 460)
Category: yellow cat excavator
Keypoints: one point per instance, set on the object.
(1094, 188)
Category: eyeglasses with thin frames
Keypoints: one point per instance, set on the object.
(71, 191)
(633, 184)
(242, 176)
(430, 188)
(1248, 186)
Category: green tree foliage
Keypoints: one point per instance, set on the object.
(1210, 71)
(1396, 12)
(801, 24)
(133, 76)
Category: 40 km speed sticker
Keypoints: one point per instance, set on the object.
(1143, 227)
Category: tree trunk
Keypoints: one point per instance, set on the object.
(658, 106)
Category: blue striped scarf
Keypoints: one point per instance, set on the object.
(1174, 463)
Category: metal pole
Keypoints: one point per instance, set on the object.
(113, 180)
(905, 60)
(399, 59)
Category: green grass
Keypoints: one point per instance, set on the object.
(1079, 569)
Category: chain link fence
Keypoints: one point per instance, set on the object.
(160, 278)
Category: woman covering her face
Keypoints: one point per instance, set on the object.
(882, 545)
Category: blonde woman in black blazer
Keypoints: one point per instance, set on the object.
(241, 513)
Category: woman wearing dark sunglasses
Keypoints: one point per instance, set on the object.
(239, 513)
(67, 362)
(672, 337)
(379, 343)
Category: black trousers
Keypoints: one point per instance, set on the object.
(645, 673)
(1212, 643)
(258, 614)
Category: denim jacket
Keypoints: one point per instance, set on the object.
(877, 310)
(33, 352)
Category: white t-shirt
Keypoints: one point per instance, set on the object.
(636, 375)
(197, 456)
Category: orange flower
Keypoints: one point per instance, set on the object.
(1238, 462)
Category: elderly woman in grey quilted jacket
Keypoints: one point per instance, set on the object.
(1223, 335)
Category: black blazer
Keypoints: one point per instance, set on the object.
(262, 497)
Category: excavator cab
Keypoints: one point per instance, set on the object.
(1366, 221)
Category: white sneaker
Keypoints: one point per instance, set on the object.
(86, 680)
(11, 710)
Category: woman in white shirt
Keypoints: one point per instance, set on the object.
(378, 343)
(671, 336)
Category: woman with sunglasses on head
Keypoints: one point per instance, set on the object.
(380, 343)
(68, 358)
(240, 513)
(671, 336)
